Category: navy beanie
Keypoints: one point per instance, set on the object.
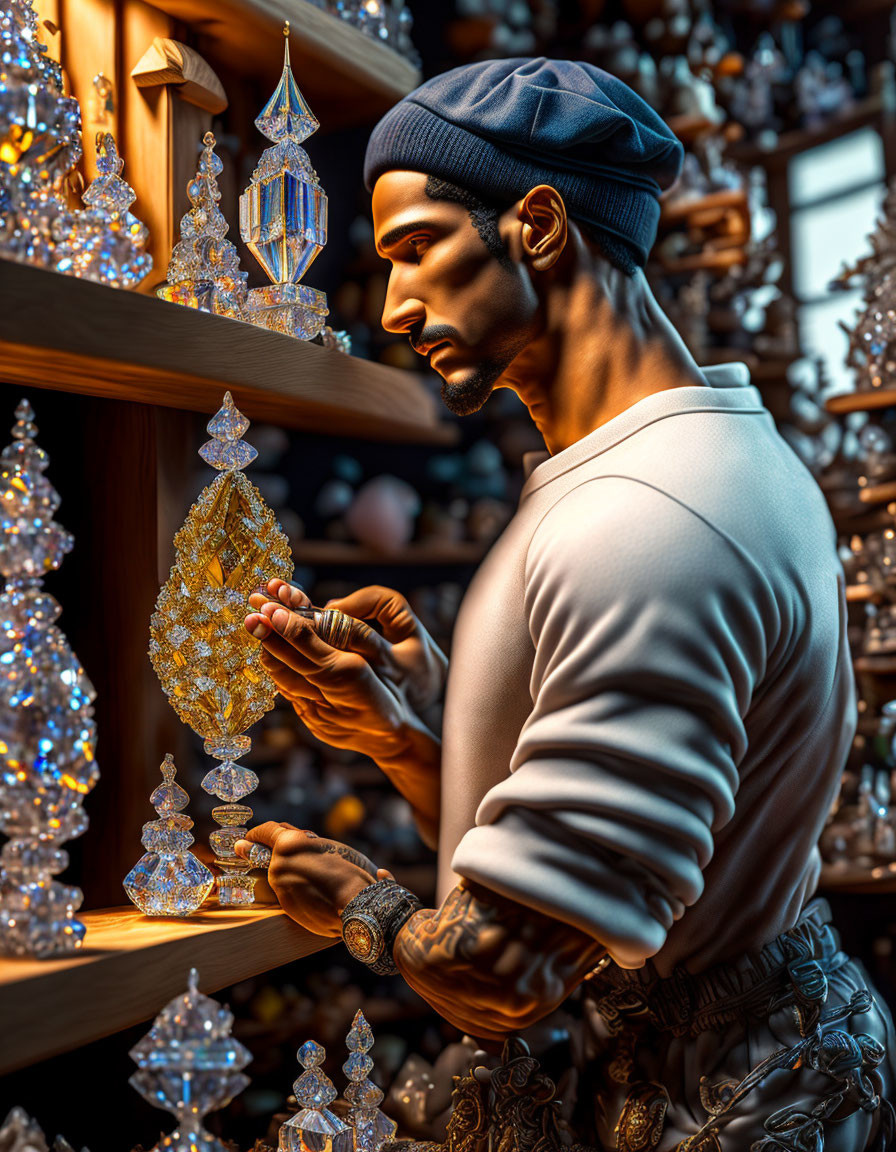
(500, 127)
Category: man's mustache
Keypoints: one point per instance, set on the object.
(434, 334)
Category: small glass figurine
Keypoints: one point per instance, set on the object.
(208, 664)
(168, 880)
(104, 241)
(189, 1064)
(47, 731)
(314, 1128)
(372, 1127)
(204, 271)
(283, 216)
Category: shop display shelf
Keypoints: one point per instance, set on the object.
(852, 878)
(683, 209)
(875, 665)
(878, 493)
(323, 553)
(354, 77)
(858, 593)
(76, 336)
(789, 144)
(129, 967)
(866, 400)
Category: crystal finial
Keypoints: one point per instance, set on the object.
(189, 1064)
(314, 1126)
(168, 880)
(104, 241)
(283, 216)
(204, 271)
(372, 1127)
(208, 665)
(47, 732)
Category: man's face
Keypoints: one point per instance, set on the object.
(468, 311)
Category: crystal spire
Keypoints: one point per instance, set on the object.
(168, 880)
(204, 271)
(47, 733)
(208, 665)
(283, 216)
(314, 1126)
(189, 1064)
(372, 1127)
(104, 241)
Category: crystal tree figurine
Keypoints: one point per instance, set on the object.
(104, 241)
(283, 216)
(204, 271)
(207, 662)
(168, 880)
(47, 733)
(372, 1127)
(189, 1064)
(314, 1128)
(40, 138)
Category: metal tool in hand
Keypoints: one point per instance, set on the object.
(336, 628)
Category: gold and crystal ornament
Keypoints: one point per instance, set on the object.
(314, 1128)
(204, 271)
(283, 216)
(168, 880)
(208, 664)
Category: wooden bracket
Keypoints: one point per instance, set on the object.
(170, 62)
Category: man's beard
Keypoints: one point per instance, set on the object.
(467, 396)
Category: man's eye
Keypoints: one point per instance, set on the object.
(418, 243)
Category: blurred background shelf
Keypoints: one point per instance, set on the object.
(127, 346)
(354, 77)
(130, 967)
(865, 401)
(859, 880)
(325, 552)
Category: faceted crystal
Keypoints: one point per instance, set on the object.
(314, 1128)
(230, 782)
(372, 1127)
(311, 1054)
(360, 1037)
(47, 733)
(189, 1064)
(169, 880)
(357, 1066)
(286, 116)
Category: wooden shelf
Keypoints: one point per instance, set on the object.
(130, 966)
(875, 665)
(864, 401)
(685, 208)
(859, 593)
(878, 493)
(859, 880)
(790, 144)
(68, 334)
(346, 77)
(337, 553)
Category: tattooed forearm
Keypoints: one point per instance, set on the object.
(350, 854)
(491, 966)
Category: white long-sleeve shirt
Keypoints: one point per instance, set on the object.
(651, 698)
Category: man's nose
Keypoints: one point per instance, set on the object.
(401, 310)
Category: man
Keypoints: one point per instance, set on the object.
(651, 696)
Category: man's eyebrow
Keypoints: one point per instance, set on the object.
(394, 235)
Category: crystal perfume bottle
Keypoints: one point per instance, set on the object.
(168, 880)
(189, 1064)
(314, 1128)
(104, 241)
(47, 732)
(207, 663)
(283, 215)
(204, 271)
(372, 1127)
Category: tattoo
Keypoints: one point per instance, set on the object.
(489, 965)
(350, 854)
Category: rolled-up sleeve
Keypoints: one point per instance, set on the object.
(651, 630)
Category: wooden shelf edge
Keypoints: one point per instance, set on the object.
(325, 552)
(130, 967)
(881, 879)
(791, 144)
(72, 335)
(864, 401)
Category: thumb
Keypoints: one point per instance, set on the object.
(384, 605)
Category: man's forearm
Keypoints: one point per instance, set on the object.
(414, 767)
(491, 966)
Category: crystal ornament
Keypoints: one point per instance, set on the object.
(314, 1128)
(372, 1127)
(283, 216)
(40, 138)
(204, 271)
(189, 1064)
(208, 664)
(104, 241)
(47, 733)
(169, 880)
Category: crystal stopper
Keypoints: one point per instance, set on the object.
(372, 1127)
(168, 880)
(190, 1064)
(207, 663)
(314, 1126)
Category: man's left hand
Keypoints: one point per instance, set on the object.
(312, 877)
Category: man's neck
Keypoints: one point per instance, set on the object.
(606, 344)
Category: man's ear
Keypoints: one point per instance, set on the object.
(544, 234)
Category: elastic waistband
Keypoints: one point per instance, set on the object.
(752, 985)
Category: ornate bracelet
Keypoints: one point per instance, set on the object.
(372, 920)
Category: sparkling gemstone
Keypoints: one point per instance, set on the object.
(314, 1090)
(230, 782)
(360, 1037)
(286, 115)
(311, 1054)
(357, 1066)
(363, 1095)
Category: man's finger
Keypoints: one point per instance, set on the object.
(267, 833)
(300, 634)
(288, 594)
(288, 683)
(388, 607)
